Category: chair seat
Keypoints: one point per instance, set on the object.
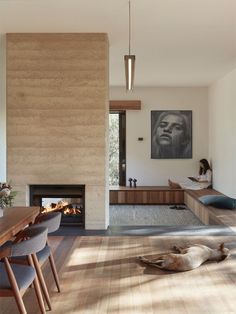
(24, 276)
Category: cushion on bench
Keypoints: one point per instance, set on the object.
(218, 201)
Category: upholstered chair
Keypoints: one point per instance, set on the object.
(14, 278)
(51, 221)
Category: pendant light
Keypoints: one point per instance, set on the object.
(129, 61)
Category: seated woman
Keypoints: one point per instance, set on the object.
(203, 181)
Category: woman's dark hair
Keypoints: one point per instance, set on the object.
(205, 167)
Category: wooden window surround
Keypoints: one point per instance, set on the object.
(117, 105)
(120, 106)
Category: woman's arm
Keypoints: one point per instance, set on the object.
(205, 177)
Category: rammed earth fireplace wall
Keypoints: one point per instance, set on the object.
(57, 116)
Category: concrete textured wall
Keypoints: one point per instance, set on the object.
(2, 108)
(57, 115)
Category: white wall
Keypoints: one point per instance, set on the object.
(2, 110)
(222, 133)
(139, 163)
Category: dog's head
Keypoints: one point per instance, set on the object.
(224, 252)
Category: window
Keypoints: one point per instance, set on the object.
(117, 150)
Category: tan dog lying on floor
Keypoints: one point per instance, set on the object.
(188, 258)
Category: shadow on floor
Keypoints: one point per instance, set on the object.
(147, 231)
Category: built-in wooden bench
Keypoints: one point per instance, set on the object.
(209, 215)
(146, 195)
(160, 195)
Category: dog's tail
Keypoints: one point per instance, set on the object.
(156, 263)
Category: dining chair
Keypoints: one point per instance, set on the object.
(14, 278)
(51, 221)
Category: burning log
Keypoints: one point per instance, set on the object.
(64, 207)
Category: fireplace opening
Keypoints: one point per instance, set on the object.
(71, 208)
(67, 199)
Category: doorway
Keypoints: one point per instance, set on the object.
(117, 148)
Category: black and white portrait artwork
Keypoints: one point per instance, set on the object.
(171, 134)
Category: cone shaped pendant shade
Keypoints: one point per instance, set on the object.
(129, 62)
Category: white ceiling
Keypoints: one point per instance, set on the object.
(176, 42)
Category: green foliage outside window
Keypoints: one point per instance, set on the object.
(114, 149)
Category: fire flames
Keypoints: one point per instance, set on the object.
(62, 206)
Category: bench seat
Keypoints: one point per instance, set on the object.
(209, 215)
(164, 195)
(148, 195)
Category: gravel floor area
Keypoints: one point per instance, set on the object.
(151, 215)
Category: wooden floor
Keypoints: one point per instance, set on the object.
(102, 275)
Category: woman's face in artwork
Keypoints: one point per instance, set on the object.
(171, 130)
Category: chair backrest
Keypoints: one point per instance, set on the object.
(50, 220)
(36, 239)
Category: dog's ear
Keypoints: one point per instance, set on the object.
(221, 246)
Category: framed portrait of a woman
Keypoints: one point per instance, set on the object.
(171, 134)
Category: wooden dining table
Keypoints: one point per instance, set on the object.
(15, 219)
